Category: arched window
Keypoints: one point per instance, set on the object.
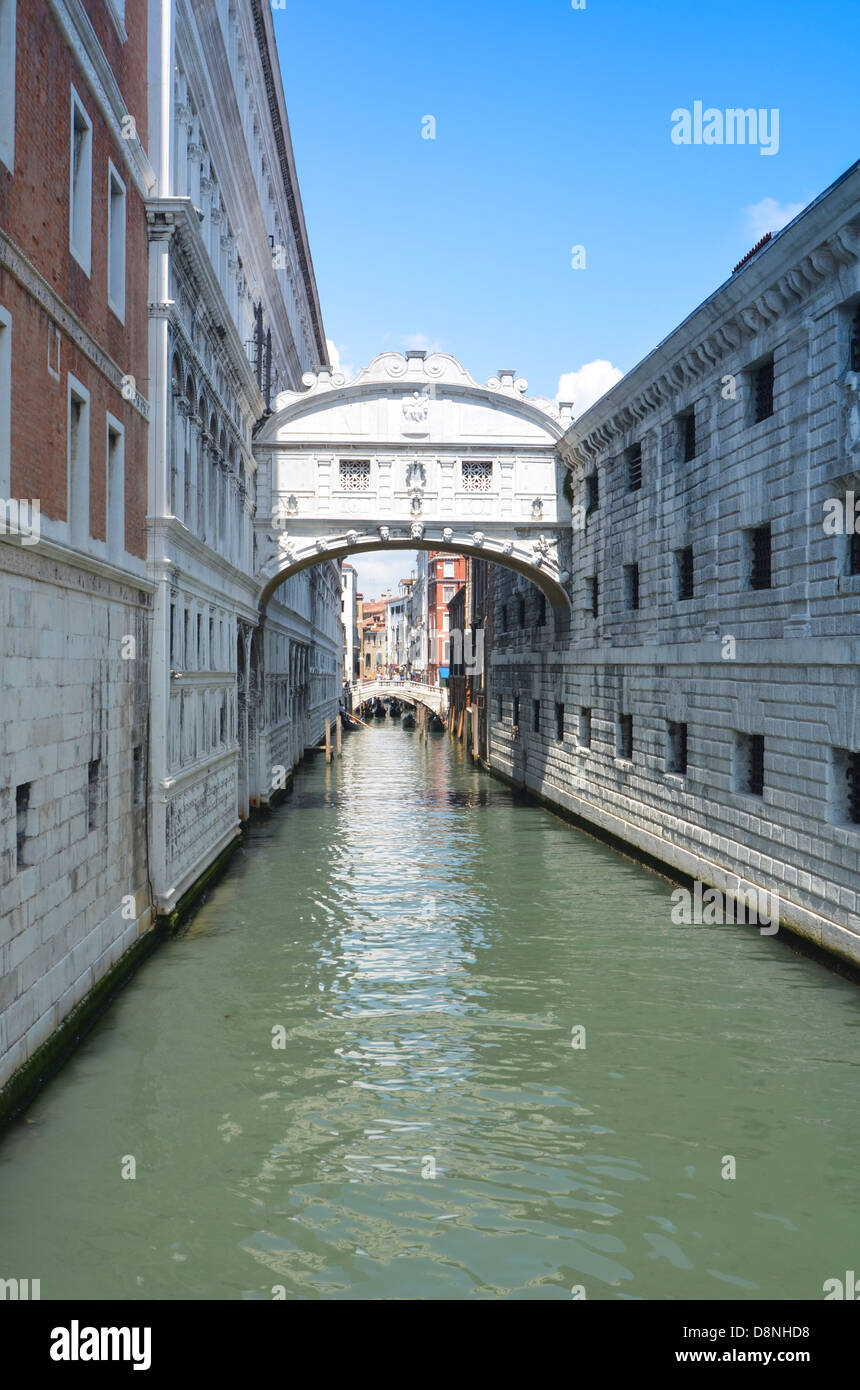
(175, 440)
(213, 483)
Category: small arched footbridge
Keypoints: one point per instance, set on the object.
(414, 692)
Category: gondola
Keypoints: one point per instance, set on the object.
(379, 710)
(436, 726)
(408, 721)
(395, 709)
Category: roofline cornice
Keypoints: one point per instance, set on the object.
(779, 278)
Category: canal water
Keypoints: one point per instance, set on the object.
(425, 945)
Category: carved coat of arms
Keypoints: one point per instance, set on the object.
(417, 407)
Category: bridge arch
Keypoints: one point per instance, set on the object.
(546, 580)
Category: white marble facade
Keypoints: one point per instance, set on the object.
(239, 687)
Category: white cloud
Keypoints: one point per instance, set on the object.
(587, 384)
(335, 357)
(769, 215)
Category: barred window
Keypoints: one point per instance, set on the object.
(592, 493)
(355, 475)
(762, 380)
(854, 349)
(634, 468)
(759, 557)
(631, 586)
(676, 750)
(624, 737)
(687, 429)
(592, 595)
(684, 572)
(846, 767)
(585, 727)
(749, 763)
(477, 476)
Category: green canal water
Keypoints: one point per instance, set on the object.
(428, 944)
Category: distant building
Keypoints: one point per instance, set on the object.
(445, 575)
(469, 636)
(397, 610)
(349, 619)
(373, 643)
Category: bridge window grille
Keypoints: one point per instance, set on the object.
(684, 572)
(687, 422)
(585, 727)
(541, 622)
(477, 475)
(559, 722)
(854, 553)
(625, 736)
(355, 475)
(750, 764)
(763, 391)
(631, 586)
(634, 468)
(515, 713)
(854, 348)
(676, 758)
(760, 557)
(500, 709)
(521, 611)
(536, 712)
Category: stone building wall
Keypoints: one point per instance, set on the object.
(693, 642)
(75, 598)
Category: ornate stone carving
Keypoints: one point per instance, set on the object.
(540, 551)
(416, 476)
(384, 533)
(417, 530)
(448, 534)
(478, 537)
(417, 407)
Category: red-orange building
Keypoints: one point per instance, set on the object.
(445, 575)
(74, 271)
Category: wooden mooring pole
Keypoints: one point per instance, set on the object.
(327, 741)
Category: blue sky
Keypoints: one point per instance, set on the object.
(552, 129)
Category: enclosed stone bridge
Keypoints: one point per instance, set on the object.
(412, 454)
(414, 692)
